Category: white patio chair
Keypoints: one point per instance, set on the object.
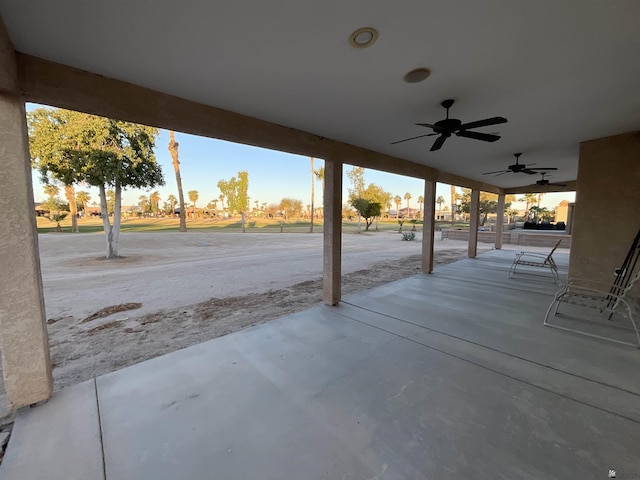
(534, 259)
(607, 298)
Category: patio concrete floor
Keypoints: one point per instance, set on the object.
(442, 376)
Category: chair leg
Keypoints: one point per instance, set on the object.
(555, 303)
(635, 327)
(633, 322)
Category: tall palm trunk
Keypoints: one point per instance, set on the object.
(70, 193)
(173, 149)
(313, 182)
(453, 204)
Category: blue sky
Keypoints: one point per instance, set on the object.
(273, 175)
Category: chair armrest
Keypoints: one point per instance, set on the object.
(573, 289)
(590, 284)
(531, 254)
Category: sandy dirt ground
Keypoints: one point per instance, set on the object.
(174, 290)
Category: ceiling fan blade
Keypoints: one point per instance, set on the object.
(542, 168)
(428, 125)
(528, 171)
(483, 123)
(437, 145)
(413, 138)
(485, 137)
(496, 172)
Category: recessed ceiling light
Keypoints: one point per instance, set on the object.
(363, 37)
(417, 75)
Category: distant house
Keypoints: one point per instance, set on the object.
(40, 210)
(408, 212)
(92, 211)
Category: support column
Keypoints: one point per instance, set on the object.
(23, 332)
(569, 225)
(500, 221)
(332, 233)
(474, 215)
(428, 225)
(24, 343)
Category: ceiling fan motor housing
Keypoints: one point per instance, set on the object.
(448, 125)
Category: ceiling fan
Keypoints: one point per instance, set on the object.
(445, 128)
(519, 168)
(544, 181)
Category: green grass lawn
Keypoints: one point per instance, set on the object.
(94, 225)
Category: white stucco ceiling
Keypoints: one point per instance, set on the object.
(560, 71)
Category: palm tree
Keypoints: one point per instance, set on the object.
(440, 201)
(397, 200)
(529, 199)
(154, 199)
(256, 202)
(407, 197)
(53, 205)
(173, 149)
(420, 203)
(193, 197)
(313, 193)
(143, 203)
(111, 201)
(172, 201)
(320, 176)
(82, 198)
(511, 214)
(70, 194)
(221, 197)
(51, 190)
(509, 200)
(454, 195)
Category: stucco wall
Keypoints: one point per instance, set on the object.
(607, 208)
